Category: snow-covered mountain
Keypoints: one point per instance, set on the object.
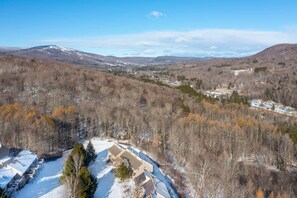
(57, 53)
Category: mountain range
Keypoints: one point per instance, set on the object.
(68, 55)
(62, 54)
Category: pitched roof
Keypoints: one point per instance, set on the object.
(139, 179)
(142, 177)
(149, 188)
(5, 160)
(115, 150)
(22, 162)
(161, 188)
(133, 161)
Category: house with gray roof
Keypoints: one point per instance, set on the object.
(147, 185)
(14, 168)
(118, 155)
(150, 186)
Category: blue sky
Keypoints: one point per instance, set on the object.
(150, 27)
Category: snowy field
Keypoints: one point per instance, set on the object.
(46, 183)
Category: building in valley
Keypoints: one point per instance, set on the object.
(273, 106)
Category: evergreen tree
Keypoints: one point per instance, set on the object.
(2, 193)
(123, 172)
(74, 163)
(69, 169)
(87, 183)
(80, 151)
(236, 98)
(91, 154)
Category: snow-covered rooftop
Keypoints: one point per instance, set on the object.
(161, 188)
(6, 175)
(5, 159)
(22, 161)
(273, 106)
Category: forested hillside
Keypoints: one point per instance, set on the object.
(209, 148)
(272, 75)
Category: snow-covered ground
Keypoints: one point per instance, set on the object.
(46, 184)
(108, 185)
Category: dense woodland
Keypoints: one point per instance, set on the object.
(216, 149)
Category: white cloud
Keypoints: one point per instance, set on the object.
(213, 47)
(203, 42)
(156, 14)
(148, 52)
(181, 39)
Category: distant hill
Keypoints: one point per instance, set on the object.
(57, 53)
(281, 51)
(274, 75)
(269, 57)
